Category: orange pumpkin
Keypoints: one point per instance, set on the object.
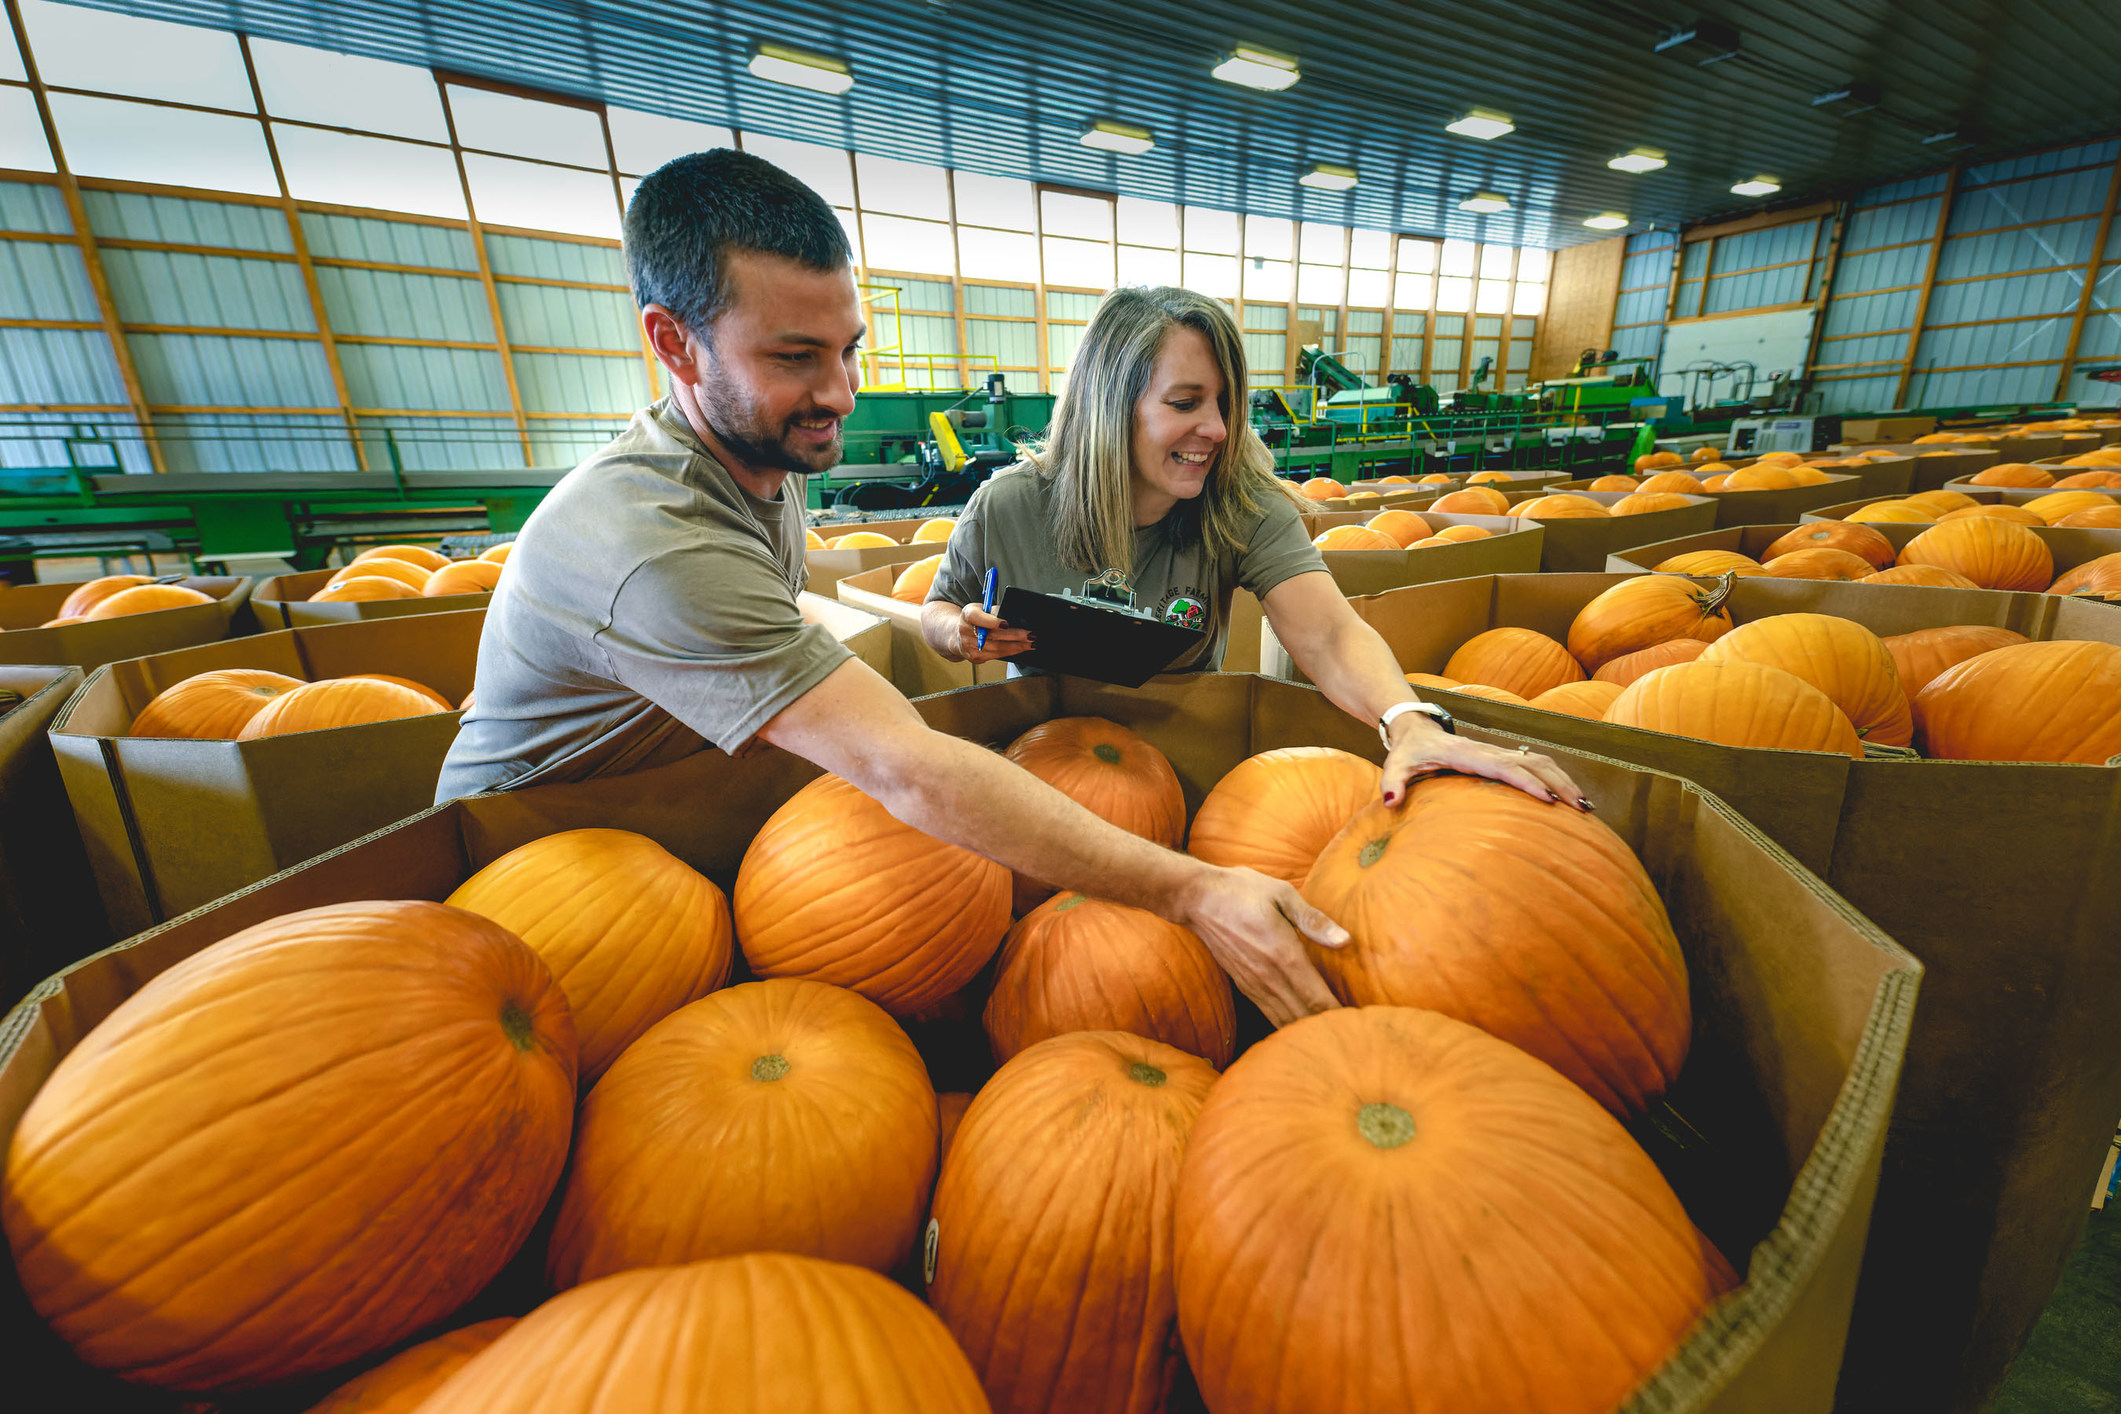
(1396, 480)
(411, 1061)
(1473, 501)
(1630, 666)
(2104, 518)
(2011, 474)
(2089, 479)
(1434, 478)
(1642, 503)
(1736, 704)
(936, 531)
(2054, 701)
(1705, 453)
(401, 1384)
(464, 577)
(762, 1332)
(2016, 515)
(1076, 963)
(1994, 554)
(630, 931)
(1402, 528)
(1355, 537)
(1461, 533)
(1321, 488)
(1434, 542)
(835, 889)
(1715, 467)
(1382, 1201)
(1109, 771)
(1532, 922)
(1835, 535)
(1067, 1166)
(1840, 657)
(1941, 501)
(498, 554)
(814, 541)
(89, 595)
(421, 555)
(1487, 478)
(1893, 512)
(211, 705)
(2102, 575)
(1932, 576)
(861, 540)
(363, 587)
(779, 1116)
(60, 622)
(1275, 811)
(1614, 483)
(340, 702)
(1562, 507)
(1779, 459)
(1819, 564)
(1677, 482)
(950, 1107)
(1760, 476)
(2057, 504)
(1645, 611)
(1518, 660)
(145, 599)
(1712, 485)
(1431, 680)
(1493, 694)
(1653, 461)
(1363, 498)
(422, 688)
(1588, 699)
(1710, 562)
(914, 581)
(405, 572)
(1920, 656)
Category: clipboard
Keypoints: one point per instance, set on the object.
(1083, 639)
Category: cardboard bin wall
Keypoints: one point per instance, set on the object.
(282, 602)
(829, 567)
(1582, 544)
(2069, 546)
(913, 667)
(23, 607)
(1934, 463)
(2022, 495)
(49, 914)
(1511, 546)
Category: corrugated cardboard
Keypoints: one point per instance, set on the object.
(2013, 1081)
(283, 602)
(829, 567)
(2069, 545)
(1512, 547)
(1935, 462)
(914, 668)
(2020, 495)
(48, 910)
(1772, 1135)
(90, 645)
(866, 635)
(1778, 507)
(1887, 429)
(1578, 545)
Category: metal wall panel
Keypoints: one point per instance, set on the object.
(1861, 271)
(2023, 202)
(238, 443)
(2031, 164)
(1928, 184)
(212, 370)
(450, 443)
(1860, 394)
(208, 291)
(1264, 353)
(1011, 344)
(390, 304)
(931, 296)
(1065, 304)
(182, 221)
(2010, 297)
(2033, 383)
(390, 242)
(34, 439)
(25, 206)
(382, 376)
(1869, 227)
(39, 280)
(569, 443)
(534, 259)
(61, 366)
(575, 383)
(996, 299)
(2019, 341)
(2038, 248)
(549, 316)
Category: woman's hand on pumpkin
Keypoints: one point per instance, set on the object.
(1421, 748)
(1255, 928)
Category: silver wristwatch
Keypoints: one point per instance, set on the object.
(1399, 709)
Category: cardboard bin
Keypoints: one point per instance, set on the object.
(1887, 429)
(1772, 1135)
(49, 915)
(282, 602)
(1779, 507)
(829, 567)
(2013, 1080)
(1934, 462)
(2021, 495)
(1512, 546)
(90, 645)
(913, 667)
(1582, 544)
(2071, 546)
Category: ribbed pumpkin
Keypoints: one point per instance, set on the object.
(630, 931)
(1493, 694)
(1519, 660)
(405, 572)
(2104, 518)
(364, 587)
(1077, 963)
(1710, 562)
(1275, 811)
(1840, 657)
(1614, 483)
(2016, 515)
(1644, 502)
(1812, 475)
(1993, 554)
(834, 889)
(1760, 476)
(1473, 501)
(950, 1107)
(2105, 477)
(89, 595)
(1588, 699)
(498, 554)
(1892, 512)
(1562, 507)
(209, 705)
(294, 1148)
(1383, 1209)
(778, 1116)
(421, 555)
(1835, 535)
(1434, 542)
(764, 1333)
(2103, 574)
(339, 702)
(1736, 704)
(813, 541)
(420, 687)
(1643, 612)
(1402, 528)
(2011, 474)
(1919, 656)
(401, 1384)
(464, 577)
(1354, 537)
(1109, 771)
(935, 531)
(1820, 564)
(1483, 478)
(2057, 504)
(914, 581)
(1941, 501)
(1526, 919)
(2054, 701)
(1321, 488)
(1431, 680)
(60, 622)
(1461, 533)
(1434, 478)
(1679, 482)
(1052, 1232)
(1651, 461)
(1932, 576)
(145, 599)
(861, 540)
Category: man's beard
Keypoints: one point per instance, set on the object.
(755, 440)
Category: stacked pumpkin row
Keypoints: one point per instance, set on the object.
(912, 584)
(1325, 488)
(243, 704)
(1395, 530)
(412, 572)
(1661, 653)
(2103, 468)
(117, 596)
(1450, 1149)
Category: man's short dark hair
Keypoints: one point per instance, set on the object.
(688, 215)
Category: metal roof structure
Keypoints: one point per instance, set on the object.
(1010, 91)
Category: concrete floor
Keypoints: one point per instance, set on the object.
(2072, 1364)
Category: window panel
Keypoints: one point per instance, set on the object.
(111, 53)
(1413, 291)
(645, 141)
(1148, 223)
(11, 56)
(1211, 232)
(847, 224)
(524, 127)
(1370, 250)
(1004, 202)
(505, 192)
(1140, 266)
(1494, 297)
(1073, 262)
(133, 142)
(22, 144)
(1319, 283)
(346, 91)
(340, 169)
(1267, 281)
(1532, 265)
(903, 188)
(825, 170)
(1417, 257)
(899, 243)
(1270, 237)
(1457, 258)
(1372, 287)
(1454, 294)
(1212, 275)
(1322, 243)
(997, 255)
(1082, 216)
(1495, 262)
(1530, 299)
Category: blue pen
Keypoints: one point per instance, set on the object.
(994, 580)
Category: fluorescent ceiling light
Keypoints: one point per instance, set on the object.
(1485, 202)
(1606, 220)
(1326, 177)
(1641, 159)
(1481, 123)
(1118, 137)
(793, 66)
(1258, 68)
(1758, 186)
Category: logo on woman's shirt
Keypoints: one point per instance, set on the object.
(1185, 608)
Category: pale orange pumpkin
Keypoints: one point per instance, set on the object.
(2102, 575)
(2054, 701)
(1321, 488)
(1486, 478)
(1473, 501)
(1645, 611)
(2011, 474)
(364, 587)
(1434, 542)
(1932, 576)
(1710, 562)
(1820, 564)
(814, 541)
(1892, 512)
(1491, 693)
(2104, 518)
(1588, 699)
(145, 599)
(1109, 771)
(1355, 537)
(340, 702)
(1760, 476)
(410, 575)
(935, 531)
(861, 540)
(498, 554)
(1994, 554)
(1275, 811)
(2016, 515)
(1642, 503)
(1518, 660)
(420, 687)
(1840, 657)
(914, 581)
(1712, 485)
(1835, 535)
(2089, 479)
(1653, 461)
(96, 591)
(1736, 704)
(423, 556)
(1941, 500)
(1562, 506)
(1614, 483)
(2057, 504)
(1402, 528)
(1462, 533)
(1431, 680)
(464, 577)
(1919, 656)
(1629, 666)
(401, 1384)
(1678, 482)
(211, 705)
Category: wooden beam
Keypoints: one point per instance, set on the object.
(618, 197)
(1929, 283)
(2091, 281)
(493, 296)
(1760, 221)
(1583, 295)
(1826, 283)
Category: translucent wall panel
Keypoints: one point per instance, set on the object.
(645, 141)
(1002, 202)
(1084, 217)
(11, 56)
(1495, 262)
(1454, 294)
(1372, 287)
(1322, 243)
(345, 91)
(997, 255)
(1319, 284)
(824, 170)
(135, 142)
(505, 192)
(22, 144)
(1081, 263)
(1417, 257)
(1457, 258)
(1269, 237)
(1211, 232)
(1148, 223)
(1413, 291)
(110, 53)
(1529, 299)
(525, 127)
(1211, 275)
(1267, 281)
(339, 169)
(1141, 266)
(903, 188)
(1493, 297)
(898, 243)
(1532, 265)
(1369, 250)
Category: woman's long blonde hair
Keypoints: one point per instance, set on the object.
(1088, 451)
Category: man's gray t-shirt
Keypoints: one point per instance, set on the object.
(1009, 525)
(648, 611)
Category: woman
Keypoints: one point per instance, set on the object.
(1142, 473)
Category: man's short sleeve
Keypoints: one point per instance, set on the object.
(1279, 549)
(712, 635)
(963, 576)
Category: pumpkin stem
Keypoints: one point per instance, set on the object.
(1142, 1073)
(1107, 753)
(1373, 851)
(516, 1025)
(1386, 1126)
(1713, 600)
(769, 1068)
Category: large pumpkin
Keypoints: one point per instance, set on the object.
(1563, 506)
(2057, 504)
(1321, 488)
(1588, 699)
(294, 1148)
(1840, 657)
(861, 540)
(1835, 535)
(1625, 669)
(405, 572)
(1355, 537)
(1519, 660)
(2016, 515)
(1919, 656)
(1065, 1172)
(1709, 562)
(778, 1116)
(1614, 483)
(1077, 963)
(2054, 701)
(914, 581)
(2103, 574)
(425, 557)
(1529, 920)
(1671, 482)
(1109, 771)
(146, 599)
(498, 554)
(363, 587)
(1820, 564)
(1474, 501)
(1892, 512)
(1402, 528)
(2103, 518)
(1277, 810)
(1642, 503)
(1736, 704)
(1645, 611)
(401, 1384)
(2011, 474)
(1384, 1209)
(464, 577)
(89, 595)
(1993, 553)
(834, 889)
(214, 704)
(1941, 501)
(630, 931)
(935, 531)
(765, 1333)
(1930, 576)
(420, 687)
(1760, 476)
(339, 702)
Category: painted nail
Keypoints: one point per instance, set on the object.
(1584, 804)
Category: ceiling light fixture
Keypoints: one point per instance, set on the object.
(1758, 186)
(1703, 41)
(1483, 123)
(1487, 203)
(1258, 68)
(1326, 177)
(794, 67)
(1607, 221)
(1118, 137)
(1640, 159)
(1848, 99)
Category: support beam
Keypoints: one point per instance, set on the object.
(1929, 283)
(2091, 281)
(493, 298)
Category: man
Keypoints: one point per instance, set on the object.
(649, 609)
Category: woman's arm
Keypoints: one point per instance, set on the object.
(1357, 672)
